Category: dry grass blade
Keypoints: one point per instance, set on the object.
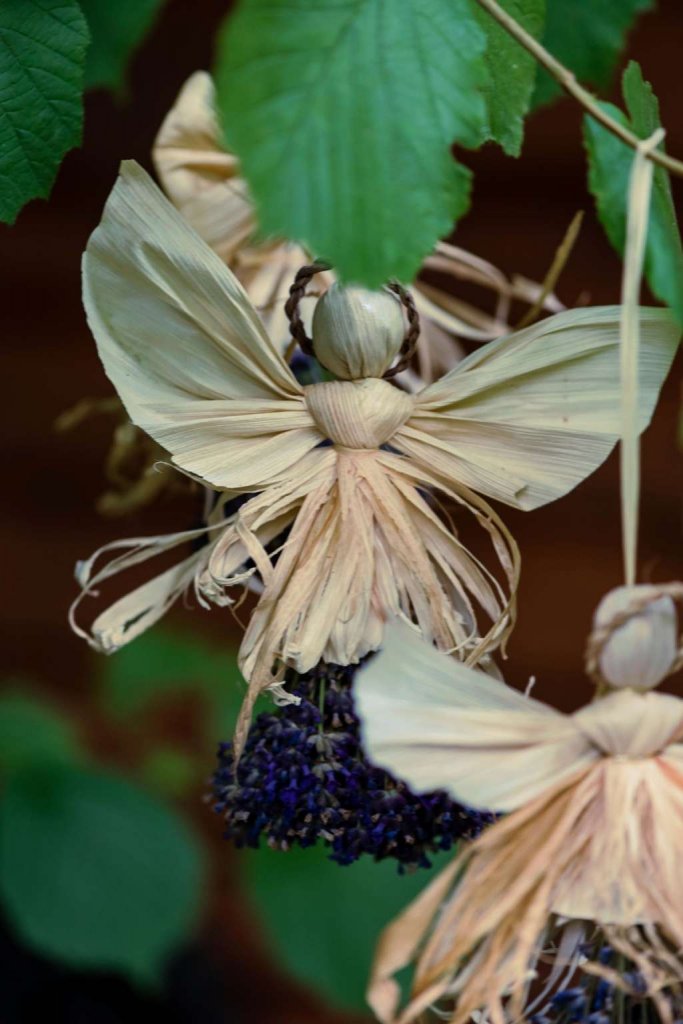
(558, 264)
(640, 186)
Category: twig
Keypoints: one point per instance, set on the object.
(569, 83)
(556, 267)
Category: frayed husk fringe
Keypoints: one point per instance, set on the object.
(366, 545)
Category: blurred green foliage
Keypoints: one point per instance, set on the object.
(116, 30)
(323, 920)
(164, 663)
(95, 872)
(33, 733)
(95, 869)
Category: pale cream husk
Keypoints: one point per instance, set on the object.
(345, 466)
(635, 642)
(594, 828)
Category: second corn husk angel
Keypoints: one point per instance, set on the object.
(338, 525)
(594, 825)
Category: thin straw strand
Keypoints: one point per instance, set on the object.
(640, 186)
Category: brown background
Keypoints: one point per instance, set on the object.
(571, 550)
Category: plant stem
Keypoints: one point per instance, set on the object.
(556, 267)
(568, 81)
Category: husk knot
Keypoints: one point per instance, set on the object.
(358, 414)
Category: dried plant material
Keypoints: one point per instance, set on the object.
(594, 833)
(135, 466)
(564, 251)
(345, 465)
(203, 180)
(640, 188)
(358, 333)
(634, 640)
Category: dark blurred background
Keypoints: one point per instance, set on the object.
(571, 550)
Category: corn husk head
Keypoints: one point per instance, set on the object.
(357, 333)
(635, 637)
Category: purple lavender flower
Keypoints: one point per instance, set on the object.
(303, 778)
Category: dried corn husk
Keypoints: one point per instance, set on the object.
(523, 420)
(357, 333)
(135, 467)
(595, 830)
(635, 636)
(640, 187)
(203, 180)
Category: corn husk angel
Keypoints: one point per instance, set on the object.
(594, 817)
(203, 180)
(340, 524)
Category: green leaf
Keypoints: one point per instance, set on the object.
(33, 732)
(42, 50)
(512, 71)
(322, 920)
(94, 872)
(609, 165)
(163, 664)
(587, 36)
(116, 29)
(343, 113)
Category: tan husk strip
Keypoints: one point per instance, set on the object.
(564, 251)
(640, 186)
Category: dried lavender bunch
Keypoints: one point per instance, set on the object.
(304, 778)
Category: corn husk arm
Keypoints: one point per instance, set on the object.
(132, 614)
(438, 724)
(184, 347)
(529, 416)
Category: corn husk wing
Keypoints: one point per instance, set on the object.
(440, 725)
(529, 416)
(184, 347)
(199, 175)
